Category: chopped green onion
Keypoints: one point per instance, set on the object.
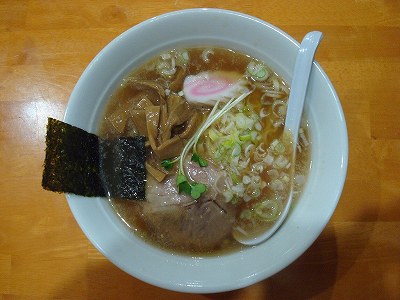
(257, 71)
(246, 214)
(235, 179)
(246, 137)
(268, 210)
(228, 143)
(182, 57)
(262, 74)
(236, 150)
(212, 133)
(280, 148)
(234, 200)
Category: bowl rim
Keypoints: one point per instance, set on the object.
(74, 100)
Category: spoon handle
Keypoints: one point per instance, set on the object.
(301, 74)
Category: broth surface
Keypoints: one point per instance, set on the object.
(257, 103)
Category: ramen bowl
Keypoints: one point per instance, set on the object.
(309, 215)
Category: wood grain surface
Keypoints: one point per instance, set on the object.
(44, 48)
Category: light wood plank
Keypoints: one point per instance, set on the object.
(44, 48)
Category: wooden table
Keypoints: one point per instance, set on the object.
(45, 46)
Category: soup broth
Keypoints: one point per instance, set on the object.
(246, 167)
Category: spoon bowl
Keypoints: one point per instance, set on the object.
(301, 75)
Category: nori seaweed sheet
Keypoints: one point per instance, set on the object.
(122, 167)
(74, 159)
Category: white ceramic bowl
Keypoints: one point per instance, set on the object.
(310, 215)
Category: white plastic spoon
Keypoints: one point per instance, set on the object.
(301, 75)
